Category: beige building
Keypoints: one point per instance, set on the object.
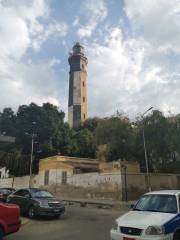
(59, 168)
(77, 106)
(118, 166)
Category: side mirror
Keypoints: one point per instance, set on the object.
(132, 206)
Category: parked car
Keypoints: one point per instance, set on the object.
(36, 202)
(155, 216)
(9, 219)
(4, 193)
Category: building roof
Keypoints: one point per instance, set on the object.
(71, 159)
(72, 162)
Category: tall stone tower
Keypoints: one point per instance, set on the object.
(77, 107)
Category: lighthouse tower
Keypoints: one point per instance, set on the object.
(77, 106)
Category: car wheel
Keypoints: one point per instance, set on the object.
(176, 235)
(1, 233)
(31, 213)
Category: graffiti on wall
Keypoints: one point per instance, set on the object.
(4, 173)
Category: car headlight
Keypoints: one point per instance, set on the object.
(155, 230)
(115, 226)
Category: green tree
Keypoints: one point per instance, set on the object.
(156, 127)
(8, 122)
(117, 133)
(83, 144)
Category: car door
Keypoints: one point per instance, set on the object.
(20, 198)
(15, 198)
(25, 201)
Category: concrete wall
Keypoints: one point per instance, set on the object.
(6, 182)
(97, 185)
(95, 179)
(83, 180)
(55, 176)
(19, 182)
(101, 185)
(89, 185)
(137, 183)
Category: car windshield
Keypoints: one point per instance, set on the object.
(41, 194)
(157, 203)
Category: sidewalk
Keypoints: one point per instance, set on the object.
(24, 220)
(98, 202)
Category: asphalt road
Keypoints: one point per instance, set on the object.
(77, 224)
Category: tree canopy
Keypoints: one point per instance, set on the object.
(108, 139)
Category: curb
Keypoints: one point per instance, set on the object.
(99, 204)
(24, 221)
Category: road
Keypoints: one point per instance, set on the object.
(77, 224)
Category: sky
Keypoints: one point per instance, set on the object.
(132, 46)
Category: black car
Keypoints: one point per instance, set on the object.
(36, 202)
(5, 192)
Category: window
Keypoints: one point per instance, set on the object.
(83, 83)
(84, 116)
(84, 99)
(19, 193)
(25, 193)
(82, 66)
(179, 201)
(46, 178)
(41, 193)
(64, 177)
(22, 193)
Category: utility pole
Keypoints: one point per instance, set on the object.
(145, 150)
(31, 162)
(32, 151)
(125, 191)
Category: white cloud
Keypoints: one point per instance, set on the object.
(128, 73)
(21, 28)
(123, 77)
(55, 29)
(24, 83)
(76, 21)
(113, 72)
(157, 21)
(96, 12)
(134, 73)
(14, 38)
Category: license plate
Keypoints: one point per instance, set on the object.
(56, 210)
(125, 238)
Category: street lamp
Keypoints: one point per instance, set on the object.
(32, 150)
(145, 151)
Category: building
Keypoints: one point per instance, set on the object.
(77, 106)
(59, 168)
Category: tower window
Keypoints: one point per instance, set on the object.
(84, 99)
(84, 116)
(83, 83)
